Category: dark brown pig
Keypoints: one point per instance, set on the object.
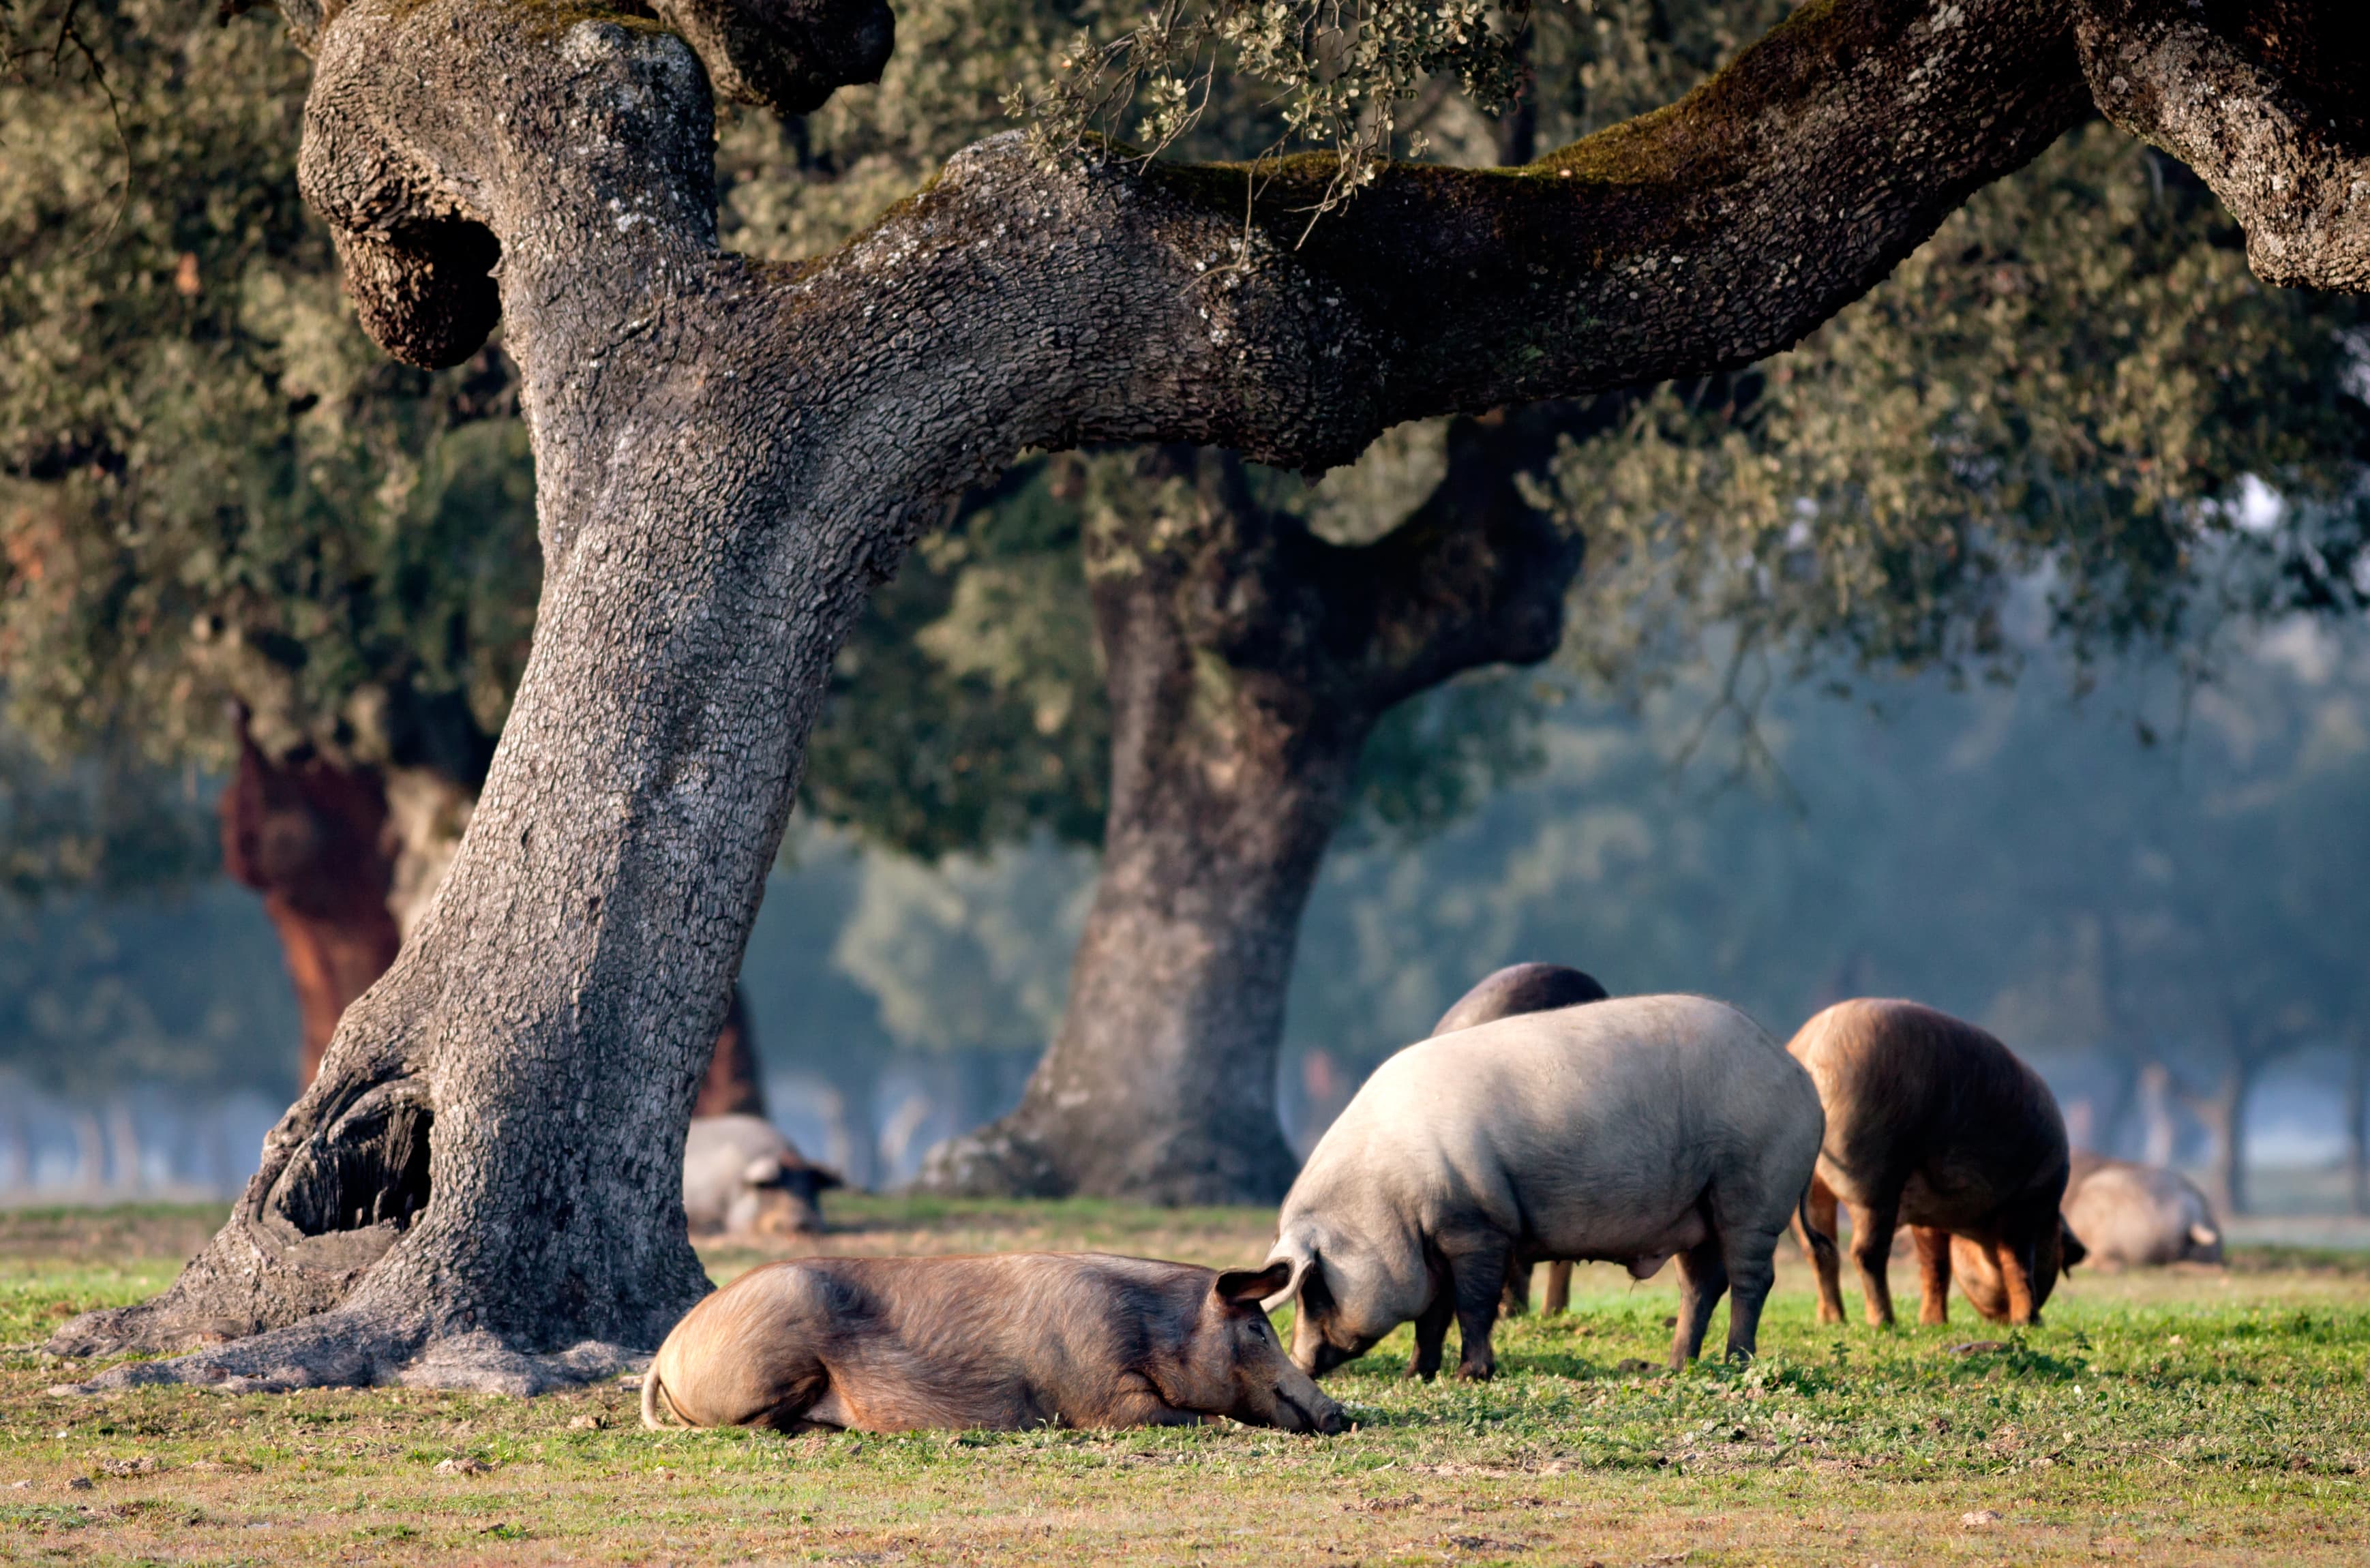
(1520, 989)
(1525, 989)
(1018, 1340)
(1933, 1123)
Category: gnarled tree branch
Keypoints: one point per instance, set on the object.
(2268, 100)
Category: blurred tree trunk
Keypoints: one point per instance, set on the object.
(2357, 1113)
(1247, 661)
(311, 836)
(2223, 1111)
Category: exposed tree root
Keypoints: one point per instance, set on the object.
(352, 1349)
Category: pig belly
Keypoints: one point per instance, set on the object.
(1642, 1248)
(914, 1399)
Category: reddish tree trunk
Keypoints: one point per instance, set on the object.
(732, 1087)
(311, 837)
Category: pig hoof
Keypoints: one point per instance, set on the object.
(1476, 1373)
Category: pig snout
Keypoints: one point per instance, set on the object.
(1287, 1397)
(1306, 1407)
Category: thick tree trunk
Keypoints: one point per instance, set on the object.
(1247, 662)
(482, 1187)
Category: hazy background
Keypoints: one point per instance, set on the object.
(2150, 887)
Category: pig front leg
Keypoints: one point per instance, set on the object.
(1478, 1274)
(1703, 1277)
(1432, 1330)
(2016, 1273)
(1933, 1274)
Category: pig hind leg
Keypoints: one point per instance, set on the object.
(1703, 1279)
(1872, 1227)
(1933, 1273)
(1749, 1255)
(1820, 1210)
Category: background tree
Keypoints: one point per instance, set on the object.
(216, 496)
(2077, 375)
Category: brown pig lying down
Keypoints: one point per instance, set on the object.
(1933, 1123)
(1635, 1130)
(1019, 1340)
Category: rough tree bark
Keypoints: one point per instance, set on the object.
(481, 1187)
(1247, 662)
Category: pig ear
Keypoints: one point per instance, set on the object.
(766, 1170)
(2205, 1236)
(1245, 1289)
(2072, 1250)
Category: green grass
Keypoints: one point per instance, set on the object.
(2174, 1417)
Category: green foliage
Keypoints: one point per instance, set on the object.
(211, 485)
(967, 709)
(2072, 390)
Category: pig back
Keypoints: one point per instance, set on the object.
(1588, 1132)
(1915, 1096)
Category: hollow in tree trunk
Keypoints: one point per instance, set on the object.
(481, 1188)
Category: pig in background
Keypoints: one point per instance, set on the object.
(1633, 1131)
(1001, 1342)
(2139, 1215)
(1933, 1123)
(742, 1176)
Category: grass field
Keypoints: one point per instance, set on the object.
(2172, 1418)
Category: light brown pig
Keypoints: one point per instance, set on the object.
(2139, 1214)
(1934, 1124)
(1635, 1131)
(1506, 993)
(1012, 1341)
(741, 1175)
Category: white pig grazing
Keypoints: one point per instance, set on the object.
(1634, 1131)
(2141, 1215)
(739, 1174)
